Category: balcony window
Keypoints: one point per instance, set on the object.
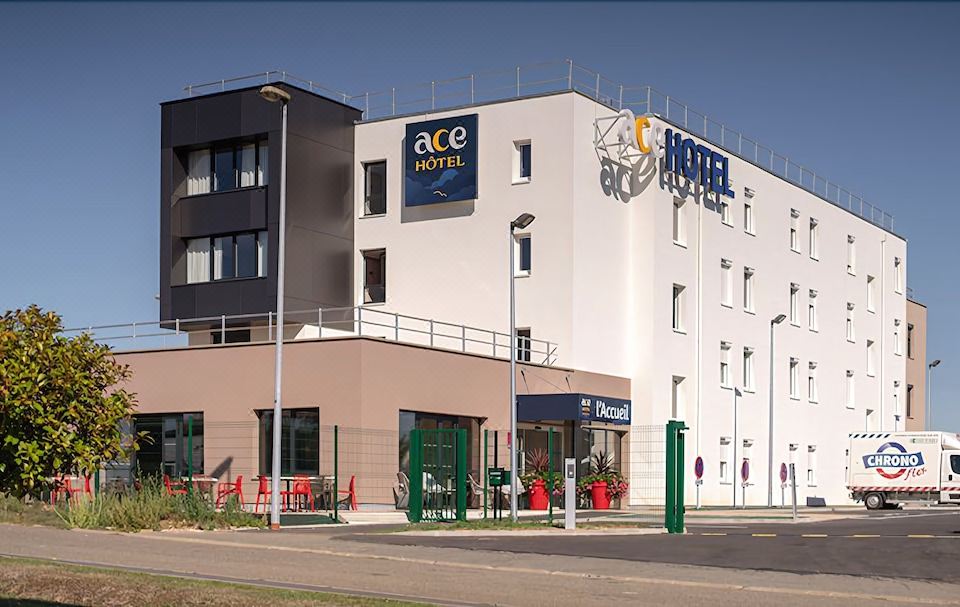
(225, 257)
(374, 276)
(226, 168)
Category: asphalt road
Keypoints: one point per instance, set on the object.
(919, 545)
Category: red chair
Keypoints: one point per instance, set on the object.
(350, 495)
(173, 488)
(64, 489)
(263, 491)
(301, 489)
(227, 489)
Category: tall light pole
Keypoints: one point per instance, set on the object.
(275, 95)
(779, 318)
(927, 417)
(519, 223)
(734, 464)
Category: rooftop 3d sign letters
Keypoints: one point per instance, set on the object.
(696, 162)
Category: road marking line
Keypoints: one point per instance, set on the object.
(530, 570)
(764, 534)
(919, 535)
(861, 535)
(814, 535)
(713, 534)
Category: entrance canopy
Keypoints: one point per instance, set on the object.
(572, 406)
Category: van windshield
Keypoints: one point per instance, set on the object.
(955, 463)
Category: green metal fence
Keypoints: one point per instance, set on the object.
(438, 475)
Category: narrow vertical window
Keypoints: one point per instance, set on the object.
(263, 172)
(748, 284)
(871, 295)
(224, 169)
(726, 283)
(812, 465)
(262, 253)
(897, 338)
(898, 275)
(525, 153)
(812, 310)
(794, 378)
(374, 276)
(224, 265)
(812, 394)
(679, 222)
(522, 157)
(910, 340)
(678, 307)
(523, 255)
(851, 255)
(677, 409)
(871, 358)
(725, 377)
(896, 397)
(726, 454)
(814, 239)
(909, 411)
(851, 329)
(748, 377)
(748, 219)
(794, 304)
(726, 213)
(246, 253)
(375, 188)
(524, 349)
(794, 227)
(850, 390)
(248, 165)
(198, 260)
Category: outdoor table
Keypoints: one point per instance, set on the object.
(325, 482)
(203, 484)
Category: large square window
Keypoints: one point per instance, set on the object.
(299, 441)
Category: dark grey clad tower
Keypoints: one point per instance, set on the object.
(220, 204)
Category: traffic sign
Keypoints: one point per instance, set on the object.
(745, 470)
(698, 467)
(783, 473)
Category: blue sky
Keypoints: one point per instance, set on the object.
(865, 94)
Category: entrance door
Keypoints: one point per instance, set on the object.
(950, 477)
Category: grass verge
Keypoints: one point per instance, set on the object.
(32, 582)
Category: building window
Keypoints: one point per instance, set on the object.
(232, 166)
(678, 405)
(748, 283)
(795, 304)
(726, 379)
(225, 257)
(812, 310)
(749, 225)
(910, 401)
(524, 344)
(910, 340)
(375, 188)
(198, 172)
(871, 358)
(897, 275)
(522, 254)
(851, 255)
(300, 446)
(679, 222)
(897, 338)
(522, 155)
(811, 465)
(726, 283)
(678, 297)
(812, 395)
(871, 294)
(850, 394)
(374, 276)
(230, 335)
(726, 213)
(896, 397)
(726, 454)
(794, 378)
(814, 239)
(166, 449)
(794, 227)
(748, 375)
(851, 329)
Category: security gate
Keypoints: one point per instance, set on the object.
(438, 475)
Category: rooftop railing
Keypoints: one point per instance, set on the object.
(321, 323)
(558, 76)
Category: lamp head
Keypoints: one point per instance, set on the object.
(779, 319)
(274, 94)
(522, 221)
(934, 363)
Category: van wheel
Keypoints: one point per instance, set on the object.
(873, 501)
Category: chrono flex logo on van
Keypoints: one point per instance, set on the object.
(893, 461)
(440, 161)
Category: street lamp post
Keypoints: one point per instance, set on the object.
(519, 223)
(779, 318)
(927, 417)
(275, 95)
(733, 464)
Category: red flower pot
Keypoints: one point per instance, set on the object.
(539, 498)
(598, 493)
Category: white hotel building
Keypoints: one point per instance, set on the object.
(632, 283)
(671, 288)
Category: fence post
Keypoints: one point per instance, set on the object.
(649, 107)
(570, 74)
(359, 320)
(415, 511)
(190, 454)
(269, 325)
(620, 106)
(463, 337)
(393, 102)
(674, 502)
(396, 327)
(319, 323)
(518, 81)
(462, 474)
(550, 476)
(431, 332)
(223, 329)
(597, 97)
(433, 94)
(471, 89)
(336, 470)
(486, 445)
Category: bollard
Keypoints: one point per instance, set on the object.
(570, 493)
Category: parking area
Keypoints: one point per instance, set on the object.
(922, 544)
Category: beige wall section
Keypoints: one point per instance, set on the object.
(917, 366)
(358, 383)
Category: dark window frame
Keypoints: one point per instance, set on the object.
(212, 241)
(375, 292)
(265, 442)
(236, 146)
(179, 463)
(367, 204)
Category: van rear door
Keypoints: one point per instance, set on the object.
(950, 477)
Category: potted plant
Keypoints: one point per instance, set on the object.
(604, 483)
(539, 481)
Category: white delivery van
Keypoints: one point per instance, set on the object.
(893, 467)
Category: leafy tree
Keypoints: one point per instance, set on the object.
(61, 404)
